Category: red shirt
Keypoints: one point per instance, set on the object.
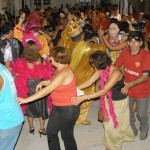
(61, 96)
(148, 28)
(104, 24)
(134, 66)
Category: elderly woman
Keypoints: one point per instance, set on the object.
(62, 87)
(114, 103)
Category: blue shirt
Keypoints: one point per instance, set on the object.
(10, 111)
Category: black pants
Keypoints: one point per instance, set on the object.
(62, 119)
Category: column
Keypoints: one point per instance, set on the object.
(147, 6)
(18, 6)
(28, 2)
(32, 6)
(114, 2)
(55, 3)
(125, 6)
(9, 6)
(0, 6)
(121, 6)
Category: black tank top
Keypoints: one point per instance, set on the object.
(116, 90)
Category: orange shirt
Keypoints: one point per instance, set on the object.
(62, 95)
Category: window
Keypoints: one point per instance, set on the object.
(85, 1)
(37, 2)
(46, 2)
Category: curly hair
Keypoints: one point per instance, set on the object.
(61, 55)
(100, 60)
(31, 51)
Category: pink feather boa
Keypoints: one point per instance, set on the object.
(23, 72)
(28, 35)
(104, 77)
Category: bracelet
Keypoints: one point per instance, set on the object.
(88, 98)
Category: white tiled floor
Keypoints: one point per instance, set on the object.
(88, 137)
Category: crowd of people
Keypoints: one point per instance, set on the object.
(49, 57)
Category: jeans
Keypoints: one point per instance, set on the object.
(142, 108)
(8, 137)
(63, 119)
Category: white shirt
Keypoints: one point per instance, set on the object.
(118, 17)
(7, 52)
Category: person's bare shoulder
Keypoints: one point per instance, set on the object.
(1, 83)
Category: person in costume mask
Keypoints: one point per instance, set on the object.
(115, 41)
(30, 31)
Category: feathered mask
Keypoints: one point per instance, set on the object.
(33, 22)
(32, 25)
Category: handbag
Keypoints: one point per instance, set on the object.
(101, 116)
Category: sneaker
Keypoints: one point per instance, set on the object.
(143, 135)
